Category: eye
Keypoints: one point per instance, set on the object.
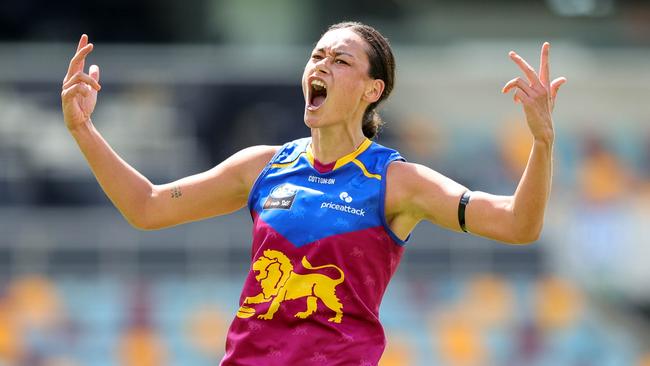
(339, 61)
(316, 56)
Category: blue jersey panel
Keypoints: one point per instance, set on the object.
(304, 205)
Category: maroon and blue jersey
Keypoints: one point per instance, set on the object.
(322, 257)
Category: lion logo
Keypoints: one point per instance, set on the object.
(279, 283)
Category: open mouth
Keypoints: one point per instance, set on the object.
(317, 94)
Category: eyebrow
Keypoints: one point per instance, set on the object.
(336, 53)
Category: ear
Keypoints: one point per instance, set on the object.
(374, 89)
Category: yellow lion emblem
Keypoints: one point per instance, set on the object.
(279, 282)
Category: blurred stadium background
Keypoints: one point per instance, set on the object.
(185, 84)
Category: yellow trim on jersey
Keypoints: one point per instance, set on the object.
(286, 165)
(365, 171)
(352, 156)
(346, 159)
(349, 158)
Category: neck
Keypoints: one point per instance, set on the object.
(328, 144)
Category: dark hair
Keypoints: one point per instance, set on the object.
(382, 66)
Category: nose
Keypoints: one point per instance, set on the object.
(321, 65)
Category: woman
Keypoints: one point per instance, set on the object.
(332, 212)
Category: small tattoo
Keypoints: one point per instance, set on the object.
(176, 192)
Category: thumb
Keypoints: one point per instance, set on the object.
(555, 86)
(94, 72)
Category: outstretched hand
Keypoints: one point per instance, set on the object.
(536, 94)
(79, 90)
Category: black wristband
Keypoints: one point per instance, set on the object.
(464, 200)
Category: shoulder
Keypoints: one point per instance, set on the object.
(291, 150)
(417, 189)
(401, 180)
(405, 173)
(380, 151)
(249, 162)
(260, 154)
(376, 157)
(252, 160)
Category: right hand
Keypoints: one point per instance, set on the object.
(79, 90)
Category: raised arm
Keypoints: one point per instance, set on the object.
(417, 193)
(220, 190)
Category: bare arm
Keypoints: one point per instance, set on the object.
(220, 190)
(417, 193)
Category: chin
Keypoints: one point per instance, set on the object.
(312, 121)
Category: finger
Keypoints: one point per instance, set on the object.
(518, 83)
(520, 97)
(555, 86)
(94, 72)
(544, 71)
(80, 88)
(77, 62)
(80, 77)
(525, 67)
(83, 41)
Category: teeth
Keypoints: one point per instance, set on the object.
(318, 83)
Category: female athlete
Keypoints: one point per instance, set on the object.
(332, 212)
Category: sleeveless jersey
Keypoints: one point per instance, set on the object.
(322, 257)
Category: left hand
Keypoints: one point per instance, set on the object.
(537, 94)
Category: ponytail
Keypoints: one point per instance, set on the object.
(372, 122)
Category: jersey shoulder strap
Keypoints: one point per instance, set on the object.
(377, 157)
(291, 151)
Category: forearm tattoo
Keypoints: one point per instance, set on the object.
(176, 192)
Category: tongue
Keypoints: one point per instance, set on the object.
(318, 100)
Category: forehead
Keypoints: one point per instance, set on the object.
(344, 39)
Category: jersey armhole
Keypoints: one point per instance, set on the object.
(382, 202)
(259, 179)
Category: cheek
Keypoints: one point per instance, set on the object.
(352, 89)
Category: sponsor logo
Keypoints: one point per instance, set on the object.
(281, 197)
(343, 208)
(315, 179)
(345, 197)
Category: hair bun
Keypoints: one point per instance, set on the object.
(372, 122)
